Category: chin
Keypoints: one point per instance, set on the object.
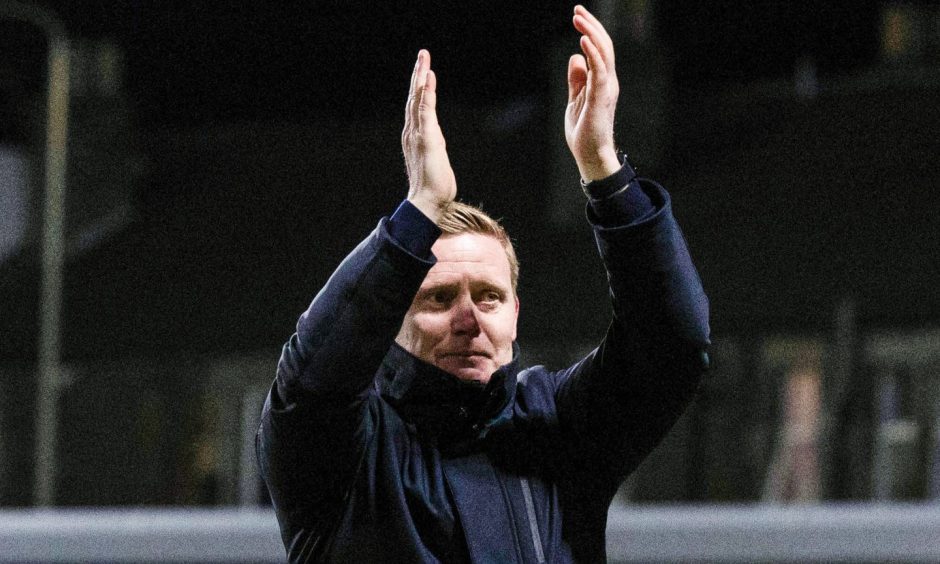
(472, 375)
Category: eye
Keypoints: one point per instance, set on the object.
(489, 299)
(438, 297)
(492, 296)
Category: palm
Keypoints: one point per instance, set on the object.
(431, 180)
(592, 100)
(587, 126)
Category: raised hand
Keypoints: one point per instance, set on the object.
(431, 181)
(592, 100)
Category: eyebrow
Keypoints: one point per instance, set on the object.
(475, 285)
(424, 290)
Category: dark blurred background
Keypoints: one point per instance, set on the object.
(223, 158)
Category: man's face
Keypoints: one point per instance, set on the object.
(463, 319)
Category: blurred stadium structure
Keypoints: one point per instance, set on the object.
(809, 201)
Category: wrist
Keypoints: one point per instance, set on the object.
(430, 207)
(605, 165)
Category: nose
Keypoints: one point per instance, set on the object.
(464, 320)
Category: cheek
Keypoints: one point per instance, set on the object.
(425, 330)
(502, 330)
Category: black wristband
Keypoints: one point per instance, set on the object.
(616, 182)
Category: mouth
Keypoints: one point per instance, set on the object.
(466, 359)
(467, 365)
(469, 354)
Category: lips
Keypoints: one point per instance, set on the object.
(467, 365)
(468, 354)
(465, 359)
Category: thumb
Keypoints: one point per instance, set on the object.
(577, 76)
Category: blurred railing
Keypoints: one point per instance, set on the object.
(775, 423)
(734, 533)
(143, 431)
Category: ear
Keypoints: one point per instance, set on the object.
(515, 319)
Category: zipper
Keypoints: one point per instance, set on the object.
(533, 524)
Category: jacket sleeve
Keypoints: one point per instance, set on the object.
(617, 403)
(316, 418)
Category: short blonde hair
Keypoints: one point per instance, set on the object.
(457, 218)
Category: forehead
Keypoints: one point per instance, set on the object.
(472, 255)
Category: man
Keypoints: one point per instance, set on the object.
(400, 427)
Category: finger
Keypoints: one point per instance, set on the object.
(588, 25)
(431, 85)
(598, 36)
(592, 30)
(577, 76)
(418, 79)
(595, 23)
(421, 77)
(411, 92)
(595, 60)
(427, 109)
(414, 75)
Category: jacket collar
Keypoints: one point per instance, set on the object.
(438, 403)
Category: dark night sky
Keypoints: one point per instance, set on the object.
(203, 61)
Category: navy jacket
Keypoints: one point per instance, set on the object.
(372, 455)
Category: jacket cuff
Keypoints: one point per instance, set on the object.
(412, 230)
(618, 199)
